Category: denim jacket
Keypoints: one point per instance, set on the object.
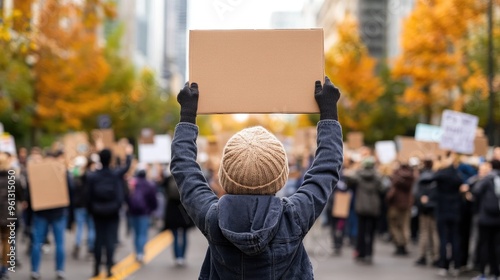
(256, 236)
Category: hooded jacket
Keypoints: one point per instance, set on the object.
(368, 189)
(256, 236)
(401, 196)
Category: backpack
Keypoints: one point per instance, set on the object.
(173, 190)
(137, 199)
(492, 203)
(104, 199)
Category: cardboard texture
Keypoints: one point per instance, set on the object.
(75, 144)
(256, 71)
(408, 147)
(107, 136)
(48, 186)
(341, 204)
(355, 140)
(481, 146)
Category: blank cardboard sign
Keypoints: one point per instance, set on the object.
(256, 71)
(48, 186)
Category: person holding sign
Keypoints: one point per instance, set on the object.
(252, 233)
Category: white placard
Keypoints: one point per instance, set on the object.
(386, 151)
(459, 132)
(7, 144)
(428, 133)
(159, 152)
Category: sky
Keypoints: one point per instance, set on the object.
(236, 14)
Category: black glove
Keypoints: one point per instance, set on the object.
(188, 98)
(327, 97)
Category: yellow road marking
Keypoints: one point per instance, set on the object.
(128, 265)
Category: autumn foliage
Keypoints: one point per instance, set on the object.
(434, 60)
(350, 68)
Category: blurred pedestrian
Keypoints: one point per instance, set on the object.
(82, 218)
(177, 220)
(487, 192)
(9, 188)
(105, 198)
(400, 200)
(56, 218)
(141, 204)
(428, 241)
(253, 234)
(448, 199)
(368, 185)
(337, 224)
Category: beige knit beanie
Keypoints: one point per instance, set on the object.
(253, 162)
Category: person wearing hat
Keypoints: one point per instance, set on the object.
(252, 233)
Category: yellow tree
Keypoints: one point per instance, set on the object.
(433, 56)
(350, 68)
(70, 68)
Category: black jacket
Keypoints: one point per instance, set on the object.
(426, 189)
(448, 199)
(484, 192)
(93, 179)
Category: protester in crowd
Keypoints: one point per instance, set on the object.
(337, 224)
(177, 220)
(483, 170)
(487, 192)
(468, 174)
(351, 229)
(105, 198)
(56, 218)
(252, 233)
(8, 186)
(82, 217)
(368, 185)
(400, 200)
(385, 172)
(448, 182)
(428, 241)
(141, 203)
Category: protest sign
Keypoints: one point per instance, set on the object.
(250, 71)
(159, 152)
(48, 185)
(459, 132)
(7, 144)
(428, 133)
(385, 151)
(355, 140)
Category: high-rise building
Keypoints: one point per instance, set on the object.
(397, 11)
(155, 37)
(380, 22)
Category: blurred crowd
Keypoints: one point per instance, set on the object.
(449, 206)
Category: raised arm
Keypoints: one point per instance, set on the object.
(323, 175)
(122, 170)
(196, 195)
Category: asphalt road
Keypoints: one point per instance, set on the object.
(326, 266)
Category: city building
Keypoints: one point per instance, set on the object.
(380, 22)
(155, 37)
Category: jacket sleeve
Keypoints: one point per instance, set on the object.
(310, 199)
(122, 170)
(196, 195)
